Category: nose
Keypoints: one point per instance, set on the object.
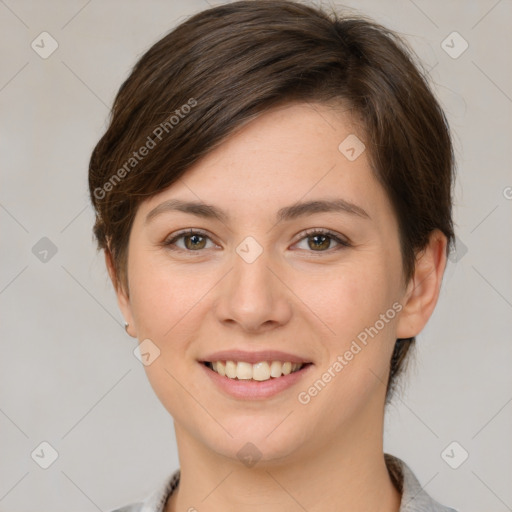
(253, 296)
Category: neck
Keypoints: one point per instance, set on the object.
(348, 475)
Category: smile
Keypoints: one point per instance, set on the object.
(260, 371)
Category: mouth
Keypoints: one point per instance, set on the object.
(246, 375)
(260, 371)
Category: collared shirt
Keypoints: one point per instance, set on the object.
(414, 498)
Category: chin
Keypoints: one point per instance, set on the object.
(258, 441)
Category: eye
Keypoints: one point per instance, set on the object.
(319, 240)
(194, 240)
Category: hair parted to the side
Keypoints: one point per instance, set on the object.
(228, 64)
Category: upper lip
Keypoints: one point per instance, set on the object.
(253, 357)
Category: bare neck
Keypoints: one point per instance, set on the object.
(350, 475)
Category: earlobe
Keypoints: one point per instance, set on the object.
(123, 299)
(423, 289)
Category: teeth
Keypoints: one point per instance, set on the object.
(220, 368)
(231, 369)
(260, 371)
(287, 368)
(244, 371)
(275, 369)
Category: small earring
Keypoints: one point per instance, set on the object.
(126, 327)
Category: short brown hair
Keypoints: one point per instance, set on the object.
(228, 64)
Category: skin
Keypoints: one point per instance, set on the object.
(328, 454)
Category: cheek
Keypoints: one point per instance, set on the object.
(358, 306)
(161, 296)
(348, 298)
(356, 302)
(166, 306)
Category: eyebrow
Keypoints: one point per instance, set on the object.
(287, 213)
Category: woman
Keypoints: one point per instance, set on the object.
(276, 227)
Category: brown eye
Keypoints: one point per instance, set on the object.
(193, 241)
(319, 242)
(322, 241)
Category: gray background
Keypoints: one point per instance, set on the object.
(67, 369)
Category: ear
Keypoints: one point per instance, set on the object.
(123, 298)
(423, 289)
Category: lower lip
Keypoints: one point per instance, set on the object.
(253, 389)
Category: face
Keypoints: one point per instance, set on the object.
(294, 259)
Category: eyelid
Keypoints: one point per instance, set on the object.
(188, 231)
(323, 231)
(341, 240)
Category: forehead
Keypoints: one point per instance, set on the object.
(289, 154)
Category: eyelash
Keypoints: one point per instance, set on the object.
(306, 234)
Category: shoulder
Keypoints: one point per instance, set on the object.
(156, 501)
(134, 507)
(414, 497)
